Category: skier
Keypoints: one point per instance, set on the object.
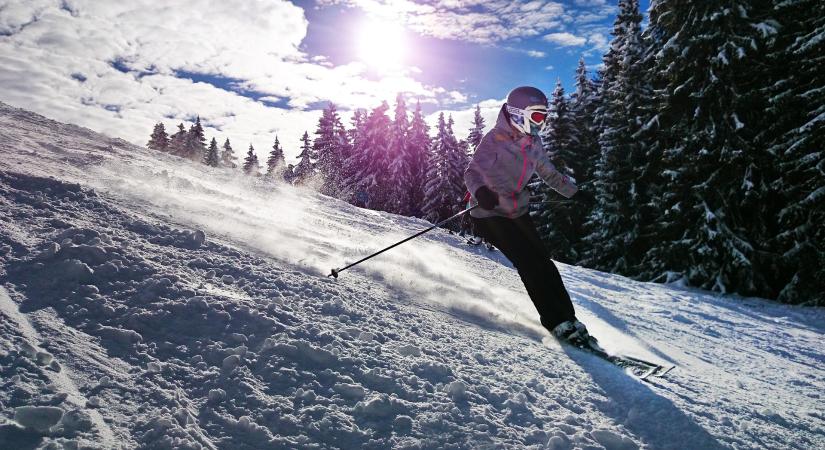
(503, 162)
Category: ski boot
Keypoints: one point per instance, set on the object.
(574, 333)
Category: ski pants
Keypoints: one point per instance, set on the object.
(520, 242)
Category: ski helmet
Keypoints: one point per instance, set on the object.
(527, 108)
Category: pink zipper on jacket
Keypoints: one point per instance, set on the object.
(523, 172)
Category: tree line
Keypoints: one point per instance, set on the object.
(701, 147)
(381, 163)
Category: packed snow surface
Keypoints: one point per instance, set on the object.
(151, 303)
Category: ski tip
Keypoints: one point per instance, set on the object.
(656, 372)
(664, 371)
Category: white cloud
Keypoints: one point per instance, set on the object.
(565, 39)
(113, 67)
(599, 42)
(477, 21)
(528, 52)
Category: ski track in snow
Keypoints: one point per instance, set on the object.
(157, 304)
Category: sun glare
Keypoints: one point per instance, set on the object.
(382, 45)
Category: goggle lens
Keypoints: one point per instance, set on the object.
(538, 117)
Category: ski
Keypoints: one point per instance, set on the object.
(644, 370)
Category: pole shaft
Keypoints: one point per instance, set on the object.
(407, 239)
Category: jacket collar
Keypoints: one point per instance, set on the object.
(503, 124)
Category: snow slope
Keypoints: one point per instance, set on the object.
(148, 303)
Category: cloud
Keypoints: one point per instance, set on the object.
(531, 53)
(478, 21)
(565, 39)
(119, 67)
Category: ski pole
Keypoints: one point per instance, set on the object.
(335, 272)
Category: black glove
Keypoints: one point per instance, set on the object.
(487, 199)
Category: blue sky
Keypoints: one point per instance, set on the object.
(256, 68)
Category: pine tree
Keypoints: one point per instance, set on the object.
(177, 142)
(250, 163)
(585, 156)
(228, 155)
(477, 131)
(289, 174)
(614, 226)
(369, 179)
(794, 134)
(305, 168)
(195, 143)
(712, 230)
(445, 185)
(357, 138)
(330, 149)
(418, 149)
(457, 162)
(400, 169)
(276, 163)
(211, 158)
(159, 139)
(559, 223)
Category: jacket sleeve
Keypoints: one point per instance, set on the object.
(557, 181)
(481, 170)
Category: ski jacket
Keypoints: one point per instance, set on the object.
(504, 161)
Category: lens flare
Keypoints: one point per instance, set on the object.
(382, 45)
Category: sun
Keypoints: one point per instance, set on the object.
(382, 45)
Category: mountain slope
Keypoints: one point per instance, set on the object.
(155, 304)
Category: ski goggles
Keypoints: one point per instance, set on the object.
(536, 114)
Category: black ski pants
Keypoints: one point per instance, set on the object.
(519, 241)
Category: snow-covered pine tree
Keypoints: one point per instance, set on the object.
(276, 163)
(195, 144)
(330, 148)
(794, 133)
(457, 161)
(418, 148)
(584, 158)
(159, 140)
(442, 194)
(369, 180)
(559, 223)
(212, 158)
(477, 130)
(613, 232)
(228, 155)
(250, 163)
(177, 142)
(582, 106)
(357, 137)
(712, 230)
(305, 169)
(400, 167)
(289, 173)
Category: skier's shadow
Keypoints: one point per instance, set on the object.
(652, 418)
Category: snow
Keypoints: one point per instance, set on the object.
(38, 418)
(158, 304)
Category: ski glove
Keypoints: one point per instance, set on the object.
(487, 199)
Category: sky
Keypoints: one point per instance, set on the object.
(254, 69)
